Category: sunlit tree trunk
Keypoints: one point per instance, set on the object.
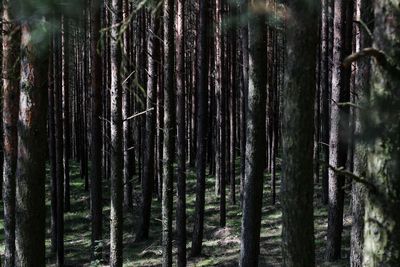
(32, 145)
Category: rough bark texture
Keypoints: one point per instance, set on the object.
(339, 125)
(298, 135)
(221, 175)
(381, 121)
(96, 134)
(11, 69)
(169, 134)
(362, 85)
(255, 142)
(201, 127)
(30, 189)
(325, 86)
(181, 144)
(116, 223)
(148, 175)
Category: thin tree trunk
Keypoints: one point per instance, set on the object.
(148, 175)
(66, 113)
(181, 143)
(96, 134)
(57, 57)
(202, 75)
(117, 195)
(339, 125)
(169, 134)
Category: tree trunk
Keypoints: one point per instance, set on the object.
(57, 58)
(381, 124)
(201, 129)
(66, 114)
(30, 189)
(96, 134)
(221, 176)
(169, 134)
(339, 125)
(255, 141)
(298, 135)
(362, 85)
(11, 69)
(149, 177)
(325, 94)
(181, 143)
(117, 195)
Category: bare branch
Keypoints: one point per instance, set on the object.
(138, 114)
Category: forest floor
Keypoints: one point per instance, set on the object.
(220, 246)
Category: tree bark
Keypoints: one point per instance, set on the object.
(255, 140)
(169, 133)
(30, 189)
(381, 124)
(298, 135)
(96, 134)
(181, 143)
(11, 69)
(201, 129)
(339, 125)
(116, 223)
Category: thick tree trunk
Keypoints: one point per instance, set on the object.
(255, 141)
(339, 125)
(169, 133)
(96, 134)
(362, 85)
(201, 127)
(30, 189)
(11, 69)
(381, 124)
(117, 195)
(298, 135)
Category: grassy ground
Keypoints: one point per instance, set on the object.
(220, 247)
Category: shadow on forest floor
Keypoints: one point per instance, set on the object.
(220, 247)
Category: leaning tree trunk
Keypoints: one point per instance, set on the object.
(11, 68)
(117, 195)
(169, 134)
(298, 135)
(255, 141)
(382, 128)
(32, 145)
(96, 134)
